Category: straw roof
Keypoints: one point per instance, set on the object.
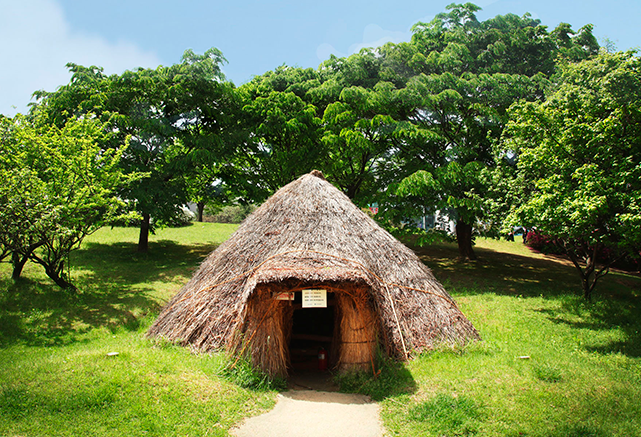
(312, 232)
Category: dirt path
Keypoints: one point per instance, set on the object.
(312, 413)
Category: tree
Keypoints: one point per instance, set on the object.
(465, 115)
(175, 117)
(358, 134)
(579, 178)
(467, 75)
(206, 187)
(360, 103)
(337, 119)
(58, 187)
(284, 139)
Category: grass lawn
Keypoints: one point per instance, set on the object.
(56, 378)
(550, 364)
(581, 377)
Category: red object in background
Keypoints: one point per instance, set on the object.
(322, 359)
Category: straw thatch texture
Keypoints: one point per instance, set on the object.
(311, 232)
(358, 329)
(268, 325)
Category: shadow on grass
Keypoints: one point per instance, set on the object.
(500, 273)
(121, 262)
(603, 315)
(617, 301)
(40, 314)
(115, 290)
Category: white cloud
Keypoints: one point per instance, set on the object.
(37, 42)
(324, 50)
(373, 36)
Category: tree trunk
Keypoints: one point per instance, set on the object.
(587, 281)
(464, 240)
(589, 275)
(59, 279)
(351, 191)
(18, 264)
(201, 210)
(143, 239)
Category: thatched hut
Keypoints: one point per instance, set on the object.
(310, 236)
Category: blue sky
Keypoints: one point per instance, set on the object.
(40, 36)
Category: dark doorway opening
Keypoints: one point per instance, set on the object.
(312, 330)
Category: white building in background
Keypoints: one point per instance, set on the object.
(438, 220)
(192, 207)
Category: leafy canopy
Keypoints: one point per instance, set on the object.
(59, 186)
(579, 162)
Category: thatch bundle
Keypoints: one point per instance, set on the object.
(310, 234)
(267, 327)
(357, 329)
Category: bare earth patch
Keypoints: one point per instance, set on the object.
(316, 413)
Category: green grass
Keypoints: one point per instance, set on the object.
(549, 364)
(56, 377)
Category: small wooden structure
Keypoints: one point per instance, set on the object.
(309, 235)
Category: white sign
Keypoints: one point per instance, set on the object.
(314, 298)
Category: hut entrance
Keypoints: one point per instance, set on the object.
(312, 331)
(284, 336)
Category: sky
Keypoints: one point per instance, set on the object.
(39, 37)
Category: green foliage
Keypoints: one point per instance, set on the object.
(466, 74)
(420, 237)
(358, 134)
(455, 41)
(231, 214)
(391, 379)
(241, 372)
(183, 218)
(284, 139)
(179, 120)
(578, 177)
(59, 186)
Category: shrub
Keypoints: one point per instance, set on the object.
(184, 217)
(547, 245)
(392, 378)
(542, 243)
(241, 372)
(420, 237)
(231, 214)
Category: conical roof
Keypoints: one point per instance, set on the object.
(310, 231)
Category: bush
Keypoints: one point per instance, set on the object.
(420, 237)
(547, 245)
(230, 214)
(241, 372)
(542, 243)
(184, 217)
(391, 379)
